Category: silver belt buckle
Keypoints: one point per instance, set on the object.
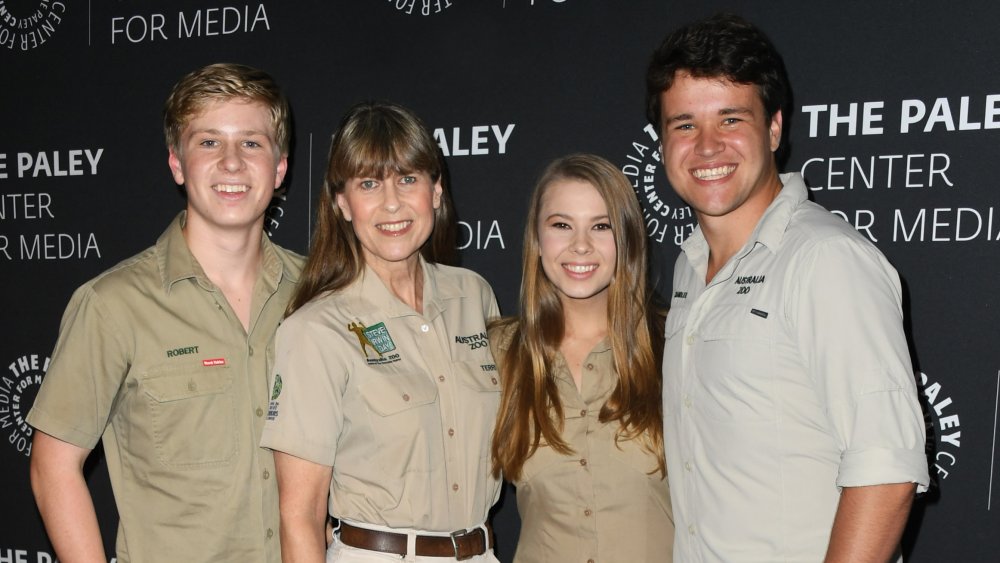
(454, 545)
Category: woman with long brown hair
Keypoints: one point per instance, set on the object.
(579, 431)
(384, 393)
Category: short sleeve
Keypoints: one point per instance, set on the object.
(88, 366)
(305, 412)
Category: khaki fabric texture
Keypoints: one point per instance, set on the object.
(152, 360)
(785, 378)
(606, 502)
(400, 404)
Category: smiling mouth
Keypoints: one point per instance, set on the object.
(394, 227)
(580, 269)
(231, 188)
(713, 173)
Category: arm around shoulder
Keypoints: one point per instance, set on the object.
(64, 500)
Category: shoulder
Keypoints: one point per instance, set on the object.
(814, 229)
(464, 281)
(134, 273)
(291, 262)
(502, 331)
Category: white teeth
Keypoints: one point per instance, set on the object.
(714, 173)
(394, 227)
(231, 188)
(580, 269)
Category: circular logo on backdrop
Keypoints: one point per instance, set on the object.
(18, 387)
(944, 429)
(27, 27)
(421, 7)
(668, 219)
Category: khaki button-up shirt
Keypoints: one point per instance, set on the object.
(604, 503)
(152, 359)
(400, 404)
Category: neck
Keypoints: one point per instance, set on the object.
(585, 319)
(228, 256)
(726, 234)
(405, 280)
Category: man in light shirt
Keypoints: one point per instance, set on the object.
(791, 424)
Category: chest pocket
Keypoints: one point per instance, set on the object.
(734, 362)
(390, 394)
(193, 414)
(404, 420)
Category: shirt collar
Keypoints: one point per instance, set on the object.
(176, 262)
(771, 227)
(438, 290)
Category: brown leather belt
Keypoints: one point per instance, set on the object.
(462, 545)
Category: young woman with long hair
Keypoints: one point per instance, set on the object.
(579, 430)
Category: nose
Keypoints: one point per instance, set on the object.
(390, 197)
(581, 243)
(708, 143)
(232, 159)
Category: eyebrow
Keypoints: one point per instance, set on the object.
(241, 133)
(559, 215)
(738, 110)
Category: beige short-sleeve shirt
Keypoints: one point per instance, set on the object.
(604, 503)
(400, 404)
(152, 360)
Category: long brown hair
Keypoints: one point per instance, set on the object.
(373, 139)
(530, 409)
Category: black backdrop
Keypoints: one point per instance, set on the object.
(896, 111)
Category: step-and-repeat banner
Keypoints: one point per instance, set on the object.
(895, 125)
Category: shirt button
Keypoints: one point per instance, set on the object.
(454, 487)
(687, 401)
(251, 351)
(494, 380)
(691, 529)
(406, 397)
(590, 367)
(590, 561)
(690, 339)
(424, 328)
(441, 378)
(583, 412)
(259, 412)
(192, 386)
(451, 431)
(270, 533)
(583, 462)
(587, 512)
(267, 474)
(687, 465)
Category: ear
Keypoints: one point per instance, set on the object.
(775, 130)
(438, 191)
(341, 202)
(282, 168)
(176, 166)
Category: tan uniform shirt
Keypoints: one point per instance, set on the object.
(603, 503)
(152, 359)
(400, 404)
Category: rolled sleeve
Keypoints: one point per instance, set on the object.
(850, 326)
